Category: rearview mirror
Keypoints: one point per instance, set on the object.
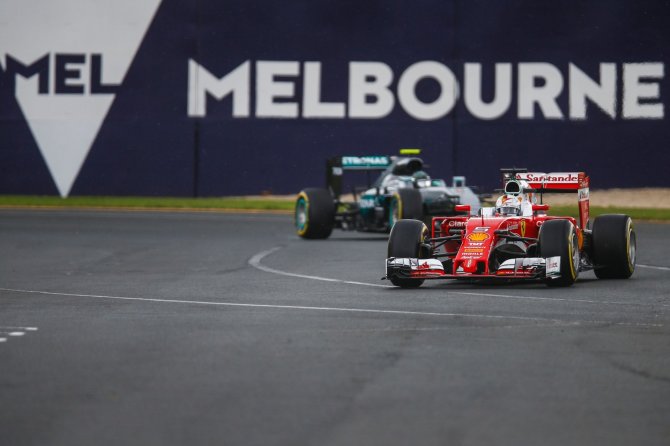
(462, 208)
(540, 207)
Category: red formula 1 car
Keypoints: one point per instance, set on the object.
(515, 239)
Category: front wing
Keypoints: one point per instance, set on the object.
(528, 268)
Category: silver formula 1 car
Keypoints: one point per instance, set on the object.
(402, 189)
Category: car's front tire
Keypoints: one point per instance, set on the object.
(559, 239)
(406, 241)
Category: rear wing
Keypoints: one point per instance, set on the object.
(396, 165)
(336, 166)
(374, 162)
(555, 182)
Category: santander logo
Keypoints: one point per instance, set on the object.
(539, 177)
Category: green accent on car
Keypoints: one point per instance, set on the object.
(301, 215)
(365, 162)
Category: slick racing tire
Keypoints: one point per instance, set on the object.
(614, 246)
(559, 239)
(406, 240)
(405, 204)
(314, 213)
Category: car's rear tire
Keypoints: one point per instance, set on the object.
(614, 246)
(406, 240)
(405, 204)
(314, 213)
(559, 239)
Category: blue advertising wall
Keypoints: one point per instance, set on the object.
(148, 142)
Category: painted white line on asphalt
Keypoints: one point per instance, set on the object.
(2, 327)
(255, 261)
(337, 309)
(288, 307)
(11, 333)
(8, 332)
(661, 268)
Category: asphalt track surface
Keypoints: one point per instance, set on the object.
(182, 329)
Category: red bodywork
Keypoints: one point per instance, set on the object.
(470, 254)
(562, 182)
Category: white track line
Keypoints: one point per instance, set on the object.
(255, 261)
(661, 268)
(12, 333)
(6, 331)
(2, 327)
(338, 309)
(292, 307)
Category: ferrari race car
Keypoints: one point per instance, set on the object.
(515, 239)
(402, 190)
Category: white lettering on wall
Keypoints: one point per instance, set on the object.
(201, 83)
(370, 80)
(269, 88)
(583, 87)
(371, 92)
(637, 84)
(502, 98)
(427, 70)
(312, 107)
(544, 94)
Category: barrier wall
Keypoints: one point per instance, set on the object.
(206, 97)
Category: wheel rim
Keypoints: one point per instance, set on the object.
(394, 213)
(301, 215)
(575, 254)
(632, 247)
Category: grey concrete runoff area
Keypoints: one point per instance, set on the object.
(157, 328)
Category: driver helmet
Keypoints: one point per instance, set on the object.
(509, 205)
(421, 178)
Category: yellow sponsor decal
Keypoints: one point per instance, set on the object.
(523, 228)
(478, 236)
(473, 250)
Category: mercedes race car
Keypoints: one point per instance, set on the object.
(515, 239)
(402, 190)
